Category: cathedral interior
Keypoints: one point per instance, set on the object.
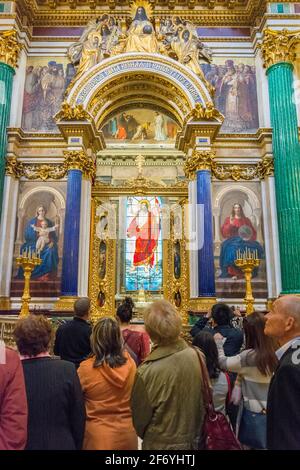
(148, 149)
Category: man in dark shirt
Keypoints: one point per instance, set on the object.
(221, 315)
(72, 342)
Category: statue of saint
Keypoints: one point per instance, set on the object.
(141, 34)
(91, 53)
(189, 50)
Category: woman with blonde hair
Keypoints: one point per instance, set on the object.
(167, 402)
(106, 379)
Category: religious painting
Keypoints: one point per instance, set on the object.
(101, 298)
(141, 125)
(238, 229)
(236, 93)
(40, 221)
(143, 248)
(177, 260)
(45, 83)
(177, 298)
(102, 260)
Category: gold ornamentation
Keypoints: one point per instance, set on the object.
(44, 172)
(13, 167)
(234, 172)
(41, 12)
(65, 304)
(101, 289)
(140, 185)
(279, 46)
(247, 262)
(140, 160)
(141, 3)
(78, 160)
(139, 56)
(172, 286)
(77, 113)
(29, 260)
(265, 168)
(7, 327)
(34, 172)
(4, 305)
(199, 160)
(10, 48)
(204, 113)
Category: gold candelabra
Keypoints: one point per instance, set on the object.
(28, 260)
(247, 261)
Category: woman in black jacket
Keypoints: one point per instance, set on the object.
(56, 412)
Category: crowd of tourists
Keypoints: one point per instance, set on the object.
(104, 386)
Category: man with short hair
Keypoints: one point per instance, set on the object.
(283, 406)
(221, 315)
(72, 342)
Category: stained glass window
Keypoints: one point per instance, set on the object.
(143, 248)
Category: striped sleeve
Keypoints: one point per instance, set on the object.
(233, 363)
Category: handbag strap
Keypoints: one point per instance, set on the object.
(229, 393)
(207, 392)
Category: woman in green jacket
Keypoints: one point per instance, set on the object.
(166, 401)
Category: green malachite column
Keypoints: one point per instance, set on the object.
(286, 149)
(6, 81)
(9, 53)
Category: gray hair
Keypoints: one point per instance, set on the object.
(162, 322)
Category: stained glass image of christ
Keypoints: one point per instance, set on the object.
(143, 251)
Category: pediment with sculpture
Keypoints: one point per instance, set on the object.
(106, 37)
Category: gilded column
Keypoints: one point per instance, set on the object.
(9, 52)
(278, 54)
(78, 164)
(198, 166)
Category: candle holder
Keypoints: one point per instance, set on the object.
(28, 260)
(247, 261)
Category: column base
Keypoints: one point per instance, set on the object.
(4, 303)
(65, 303)
(201, 304)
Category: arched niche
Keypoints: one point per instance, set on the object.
(49, 197)
(244, 194)
(133, 78)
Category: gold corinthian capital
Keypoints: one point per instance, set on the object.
(78, 160)
(279, 46)
(199, 160)
(10, 48)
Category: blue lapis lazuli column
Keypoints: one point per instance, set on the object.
(69, 285)
(206, 270)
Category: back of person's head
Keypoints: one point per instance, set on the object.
(33, 335)
(125, 310)
(254, 325)
(205, 341)
(162, 322)
(221, 314)
(107, 343)
(82, 307)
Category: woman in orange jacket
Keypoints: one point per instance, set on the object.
(107, 379)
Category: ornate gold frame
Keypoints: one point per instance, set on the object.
(171, 284)
(142, 187)
(107, 285)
